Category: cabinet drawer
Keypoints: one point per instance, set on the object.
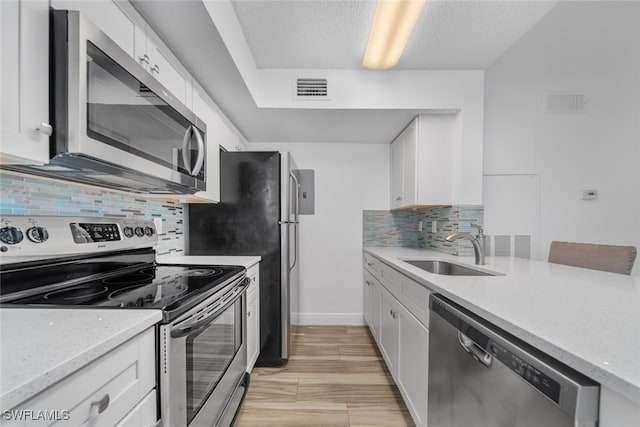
(126, 375)
(373, 265)
(415, 298)
(144, 414)
(391, 279)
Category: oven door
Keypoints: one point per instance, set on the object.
(109, 108)
(203, 359)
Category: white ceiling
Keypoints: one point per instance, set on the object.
(325, 34)
(450, 34)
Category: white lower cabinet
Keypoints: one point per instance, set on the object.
(389, 331)
(144, 414)
(116, 389)
(371, 297)
(253, 317)
(401, 333)
(413, 364)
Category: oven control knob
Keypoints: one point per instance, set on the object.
(139, 231)
(148, 231)
(38, 234)
(11, 235)
(128, 232)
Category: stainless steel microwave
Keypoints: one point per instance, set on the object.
(113, 124)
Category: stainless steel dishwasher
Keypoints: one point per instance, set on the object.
(480, 376)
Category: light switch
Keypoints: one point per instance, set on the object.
(420, 226)
(589, 194)
(434, 226)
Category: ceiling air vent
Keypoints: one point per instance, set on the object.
(311, 88)
(565, 103)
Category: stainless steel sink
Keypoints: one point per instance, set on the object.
(447, 268)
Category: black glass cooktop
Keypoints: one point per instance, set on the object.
(166, 287)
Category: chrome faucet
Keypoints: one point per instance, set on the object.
(477, 241)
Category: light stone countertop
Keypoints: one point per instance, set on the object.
(245, 261)
(588, 319)
(39, 347)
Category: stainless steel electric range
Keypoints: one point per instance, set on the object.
(50, 262)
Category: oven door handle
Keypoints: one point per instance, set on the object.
(194, 326)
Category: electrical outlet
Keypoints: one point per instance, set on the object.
(420, 226)
(434, 226)
(158, 223)
(589, 194)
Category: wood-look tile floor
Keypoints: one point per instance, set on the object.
(335, 377)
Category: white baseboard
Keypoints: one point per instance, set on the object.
(351, 319)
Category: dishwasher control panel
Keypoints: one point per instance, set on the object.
(527, 371)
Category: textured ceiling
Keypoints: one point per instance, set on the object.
(450, 34)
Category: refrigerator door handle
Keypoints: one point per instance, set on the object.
(297, 194)
(295, 222)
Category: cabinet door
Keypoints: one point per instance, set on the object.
(389, 331)
(413, 364)
(253, 317)
(164, 70)
(366, 300)
(253, 329)
(374, 316)
(111, 18)
(24, 51)
(397, 173)
(409, 162)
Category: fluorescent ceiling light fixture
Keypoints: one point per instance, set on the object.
(392, 27)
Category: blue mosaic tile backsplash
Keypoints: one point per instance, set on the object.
(397, 228)
(389, 228)
(33, 196)
(450, 219)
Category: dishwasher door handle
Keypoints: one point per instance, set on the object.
(476, 352)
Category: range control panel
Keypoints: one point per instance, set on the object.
(527, 371)
(50, 237)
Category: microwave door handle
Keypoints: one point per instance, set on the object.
(200, 158)
(186, 155)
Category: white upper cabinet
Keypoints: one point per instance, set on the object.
(160, 62)
(24, 89)
(426, 164)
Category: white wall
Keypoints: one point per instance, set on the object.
(590, 47)
(349, 178)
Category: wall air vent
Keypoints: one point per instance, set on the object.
(565, 103)
(311, 89)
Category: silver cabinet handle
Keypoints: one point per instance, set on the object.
(155, 69)
(144, 58)
(45, 129)
(248, 314)
(367, 282)
(370, 264)
(398, 198)
(100, 405)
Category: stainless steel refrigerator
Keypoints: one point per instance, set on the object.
(258, 215)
